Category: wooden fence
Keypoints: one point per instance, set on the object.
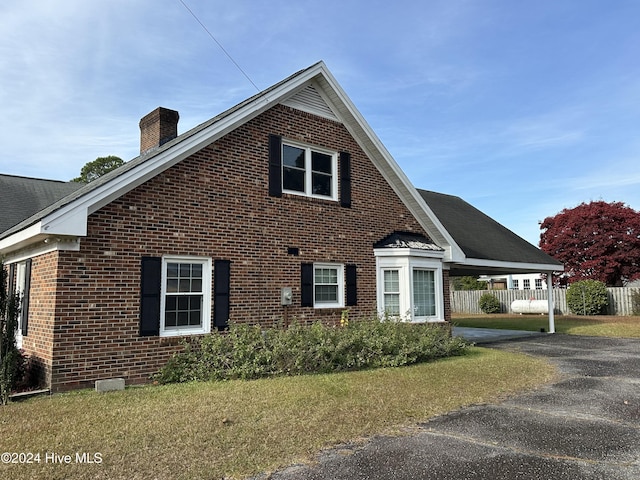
(620, 300)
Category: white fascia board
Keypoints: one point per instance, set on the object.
(49, 244)
(22, 238)
(408, 252)
(388, 167)
(522, 267)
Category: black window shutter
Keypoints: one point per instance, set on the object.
(150, 283)
(352, 285)
(24, 314)
(221, 288)
(275, 166)
(306, 284)
(12, 280)
(345, 179)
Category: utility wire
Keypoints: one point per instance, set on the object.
(219, 44)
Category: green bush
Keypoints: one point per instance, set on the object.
(635, 302)
(248, 352)
(489, 303)
(9, 353)
(587, 297)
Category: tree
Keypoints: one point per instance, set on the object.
(468, 283)
(97, 168)
(596, 241)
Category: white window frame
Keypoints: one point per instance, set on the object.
(21, 278)
(207, 268)
(516, 284)
(526, 284)
(340, 284)
(406, 261)
(308, 171)
(385, 292)
(538, 283)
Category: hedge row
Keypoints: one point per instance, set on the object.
(248, 352)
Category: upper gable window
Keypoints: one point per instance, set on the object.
(309, 171)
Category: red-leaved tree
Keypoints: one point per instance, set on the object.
(596, 240)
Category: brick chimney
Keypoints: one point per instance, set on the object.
(157, 128)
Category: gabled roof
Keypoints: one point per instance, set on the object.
(67, 217)
(488, 246)
(27, 196)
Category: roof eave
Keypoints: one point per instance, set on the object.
(476, 264)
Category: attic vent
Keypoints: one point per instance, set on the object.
(309, 100)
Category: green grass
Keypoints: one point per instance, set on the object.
(598, 326)
(237, 428)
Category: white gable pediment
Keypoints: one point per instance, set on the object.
(311, 101)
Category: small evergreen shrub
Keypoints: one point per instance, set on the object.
(248, 352)
(9, 353)
(587, 297)
(635, 302)
(489, 303)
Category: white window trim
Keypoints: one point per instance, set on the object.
(308, 173)
(21, 278)
(206, 297)
(406, 260)
(341, 287)
(385, 292)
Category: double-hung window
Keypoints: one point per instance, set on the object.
(526, 284)
(186, 296)
(328, 285)
(538, 282)
(309, 171)
(391, 292)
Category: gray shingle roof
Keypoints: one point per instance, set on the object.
(22, 197)
(479, 236)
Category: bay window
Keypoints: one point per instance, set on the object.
(410, 285)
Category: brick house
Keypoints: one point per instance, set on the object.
(286, 206)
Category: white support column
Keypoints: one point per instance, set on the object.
(552, 323)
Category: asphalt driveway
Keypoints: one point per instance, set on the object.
(585, 426)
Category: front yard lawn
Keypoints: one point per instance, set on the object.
(233, 429)
(599, 326)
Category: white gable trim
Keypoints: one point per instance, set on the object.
(390, 170)
(71, 219)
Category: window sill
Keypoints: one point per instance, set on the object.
(305, 198)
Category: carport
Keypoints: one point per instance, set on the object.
(478, 245)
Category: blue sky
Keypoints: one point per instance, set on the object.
(520, 108)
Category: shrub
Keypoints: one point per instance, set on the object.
(587, 297)
(247, 352)
(9, 354)
(489, 303)
(635, 302)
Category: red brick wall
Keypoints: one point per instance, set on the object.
(42, 310)
(216, 204)
(446, 289)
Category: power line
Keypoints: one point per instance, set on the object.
(219, 44)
